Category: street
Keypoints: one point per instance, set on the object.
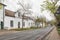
(29, 19)
(26, 35)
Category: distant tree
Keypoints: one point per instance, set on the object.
(43, 20)
(51, 6)
(40, 20)
(37, 21)
(52, 22)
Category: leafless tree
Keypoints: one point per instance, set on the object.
(26, 10)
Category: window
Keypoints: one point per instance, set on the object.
(11, 23)
(29, 23)
(19, 14)
(23, 23)
(18, 24)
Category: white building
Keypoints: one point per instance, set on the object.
(2, 14)
(13, 20)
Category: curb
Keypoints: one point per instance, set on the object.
(46, 34)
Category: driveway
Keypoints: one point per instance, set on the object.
(26, 35)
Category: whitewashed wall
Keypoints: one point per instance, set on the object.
(7, 22)
(28, 23)
(18, 20)
(15, 22)
(1, 14)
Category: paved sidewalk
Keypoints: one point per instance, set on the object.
(3, 32)
(53, 35)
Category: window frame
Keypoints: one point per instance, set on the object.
(18, 14)
(11, 23)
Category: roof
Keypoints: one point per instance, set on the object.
(9, 13)
(27, 17)
(12, 14)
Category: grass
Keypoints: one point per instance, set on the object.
(58, 29)
(34, 27)
(21, 29)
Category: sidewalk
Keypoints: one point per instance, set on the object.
(53, 35)
(2, 32)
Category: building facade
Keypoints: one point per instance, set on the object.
(13, 20)
(2, 14)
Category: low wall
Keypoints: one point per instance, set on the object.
(53, 35)
(45, 36)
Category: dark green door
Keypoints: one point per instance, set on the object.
(2, 24)
(18, 24)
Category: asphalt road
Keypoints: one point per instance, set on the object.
(26, 35)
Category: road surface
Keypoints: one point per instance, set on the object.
(26, 35)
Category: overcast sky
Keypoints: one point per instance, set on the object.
(12, 5)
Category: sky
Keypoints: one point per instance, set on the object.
(12, 5)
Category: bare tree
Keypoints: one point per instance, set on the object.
(26, 10)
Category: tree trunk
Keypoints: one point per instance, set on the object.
(42, 23)
(22, 20)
